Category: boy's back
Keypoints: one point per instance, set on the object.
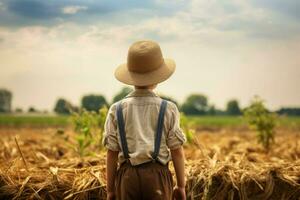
(140, 112)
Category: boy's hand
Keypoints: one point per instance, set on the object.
(111, 196)
(179, 193)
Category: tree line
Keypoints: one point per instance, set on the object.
(194, 104)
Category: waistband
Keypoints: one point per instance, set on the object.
(145, 165)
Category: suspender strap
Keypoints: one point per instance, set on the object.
(159, 130)
(122, 133)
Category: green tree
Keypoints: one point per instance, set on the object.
(211, 110)
(195, 104)
(32, 110)
(233, 108)
(123, 93)
(289, 111)
(93, 102)
(62, 106)
(5, 100)
(262, 121)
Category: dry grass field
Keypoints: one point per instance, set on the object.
(220, 165)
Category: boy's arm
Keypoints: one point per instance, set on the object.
(111, 169)
(178, 161)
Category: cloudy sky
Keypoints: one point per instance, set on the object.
(224, 49)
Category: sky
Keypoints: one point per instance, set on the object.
(224, 49)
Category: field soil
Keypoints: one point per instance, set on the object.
(40, 163)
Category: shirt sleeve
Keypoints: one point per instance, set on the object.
(110, 138)
(175, 136)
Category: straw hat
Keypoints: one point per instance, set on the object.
(145, 65)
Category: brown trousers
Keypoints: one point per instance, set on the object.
(151, 181)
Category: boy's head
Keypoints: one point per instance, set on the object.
(145, 66)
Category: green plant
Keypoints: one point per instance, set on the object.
(262, 121)
(185, 124)
(89, 126)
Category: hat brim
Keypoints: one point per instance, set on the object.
(150, 78)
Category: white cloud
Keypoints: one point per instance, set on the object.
(210, 44)
(70, 10)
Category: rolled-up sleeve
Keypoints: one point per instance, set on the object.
(175, 136)
(110, 138)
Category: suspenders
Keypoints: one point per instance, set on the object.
(159, 130)
(122, 133)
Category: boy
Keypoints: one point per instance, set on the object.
(142, 132)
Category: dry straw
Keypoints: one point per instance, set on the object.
(229, 166)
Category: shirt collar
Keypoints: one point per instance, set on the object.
(142, 93)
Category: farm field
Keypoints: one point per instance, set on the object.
(34, 120)
(204, 122)
(222, 164)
